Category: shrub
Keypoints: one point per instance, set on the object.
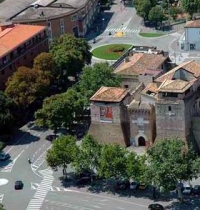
(117, 48)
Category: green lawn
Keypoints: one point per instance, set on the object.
(104, 53)
(151, 34)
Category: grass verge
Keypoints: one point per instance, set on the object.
(151, 35)
(104, 52)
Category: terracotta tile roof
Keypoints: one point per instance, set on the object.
(151, 87)
(193, 24)
(190, 66)
(110, 94)
(13, 37)
(139, 63)
(176, 86)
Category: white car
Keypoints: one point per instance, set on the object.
(187, 190)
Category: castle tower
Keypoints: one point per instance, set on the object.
(142, 123)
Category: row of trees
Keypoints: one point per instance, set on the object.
(62, 109)
(148, 9)
(27, 87)
(164, 165)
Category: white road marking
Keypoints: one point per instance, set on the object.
(43, 188)
(9, 167)
(1, 198)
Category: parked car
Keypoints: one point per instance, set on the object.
(4, 156)
(134, 185)
(84, 180)
(156, 206)
(51, 137)
(187, 190)
(142, 186)
(196, 190)
(19, 185)
(122, 185)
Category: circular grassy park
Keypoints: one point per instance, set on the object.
(111, 51)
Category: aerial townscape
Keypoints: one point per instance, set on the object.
(100, 104)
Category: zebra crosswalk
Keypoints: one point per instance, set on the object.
(125, 30)
(41, 192)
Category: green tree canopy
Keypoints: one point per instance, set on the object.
(135, 166)
(88, 155)
(60, 110)
(113, 162)
(2, 207)
(44, 62)
(70, 54)
(169, 162)
(156, 14)
(191, 6)
(143, 7)
(93, 77)
(26, 85)
(62, 152)
(7, 109)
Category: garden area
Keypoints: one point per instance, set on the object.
(110, 52)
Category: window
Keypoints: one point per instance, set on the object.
(169, 108)
(74, 17)
(4, 59)
(2, 72)
(10, 67)
(192, 47)
(126, 86)
(62, 29)
(49, 24)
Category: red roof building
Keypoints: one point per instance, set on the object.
(19, 45)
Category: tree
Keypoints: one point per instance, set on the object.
(26, 85)
(169, 162)
(143, 7)
(113, 162)
(2, 207)
(156, 14)
(56, 111)
(60, 110)
(70, 55)
(93, 77)
(191, 6)
(62, 152)
(135, 166)
(88, 155)
(7, 109)
(44, 62)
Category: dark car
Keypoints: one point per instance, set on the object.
(156, 206)
(134, 185)
(84, 180)
(18, 185)
(4, 156)
(196, 190)
(122, 185)
(51, 137)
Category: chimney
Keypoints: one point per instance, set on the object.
(126, 60)
(6, 25)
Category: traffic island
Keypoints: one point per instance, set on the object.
(111, 51)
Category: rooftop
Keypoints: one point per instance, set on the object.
(176, 86)
(193, 24)
(12, 37)
(11, 8)
(191, 66)
(141, 63)
(110, 94)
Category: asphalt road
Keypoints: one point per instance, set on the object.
(31, 144)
